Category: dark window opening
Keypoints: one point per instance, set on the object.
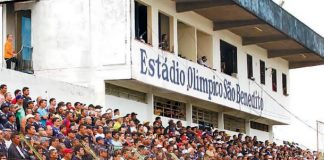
(259, 126)
(23, 41)
(141, 31)
(250, 66)
(228, 58)
(262, 72)
(164, 32)
(284, 84)
(274, 80)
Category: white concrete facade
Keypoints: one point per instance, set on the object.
(91, 42)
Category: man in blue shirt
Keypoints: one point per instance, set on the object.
(42, 111)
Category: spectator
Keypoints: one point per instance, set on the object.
(3, 147)
(67, 154)
(11, 123)
(17, 92)
(9, 52)
(79, 153)
(52, 105)
(3, 91)
(26, 97)
(15, 150)
(42, 111)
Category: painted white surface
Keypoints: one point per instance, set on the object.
(128, 106)
(262, 136)
(46, 88)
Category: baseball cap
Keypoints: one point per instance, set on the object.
(99, 138)
(19, 97)
(67, 150)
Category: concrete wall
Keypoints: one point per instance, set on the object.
(46, 88)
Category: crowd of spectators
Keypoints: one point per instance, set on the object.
(79, 131)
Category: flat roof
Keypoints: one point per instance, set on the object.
(263, 23)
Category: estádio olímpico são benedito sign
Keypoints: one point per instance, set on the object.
(169, 71)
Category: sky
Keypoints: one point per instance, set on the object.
(306, 84)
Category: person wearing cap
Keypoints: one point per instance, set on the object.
(11, 123)
(16, 93)
(20, 114)
(134, 118)
(3, 115)
(67, 154)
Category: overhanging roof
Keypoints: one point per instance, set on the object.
(13, 1)
(263, 23)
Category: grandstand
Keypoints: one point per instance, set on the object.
(212, 74)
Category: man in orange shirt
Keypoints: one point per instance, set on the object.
(9, 53)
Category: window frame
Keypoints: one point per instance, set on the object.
(249, 61)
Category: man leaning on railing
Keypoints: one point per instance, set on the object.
(9, 53)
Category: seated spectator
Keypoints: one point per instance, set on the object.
(202, 61)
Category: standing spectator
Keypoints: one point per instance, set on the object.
(11, 124)
(56, 127)
(3, 147)
(52, 105)
(20, 114)
(26, 97)
(79, 153)
(53, 155)
(37, 123)
(9, 53)
(3, 91)
(42, 111)
(133, 115)
(15, 150)
(17, 92)
(67, 154)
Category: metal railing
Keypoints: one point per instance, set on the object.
(37, 155)
(23, 62)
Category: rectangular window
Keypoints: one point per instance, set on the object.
(249, 66)
(142, 31)
(228, 58)
(165, 32)
(204, 118)
(169, 108)
(274, 79)
(126, 93)
(259, 126)
(262, 72)
(284, 84)
(234, 124)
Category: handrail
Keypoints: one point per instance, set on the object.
(89, 150)
(174, 156)
(40, 157)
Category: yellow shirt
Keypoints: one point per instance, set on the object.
(8, 50)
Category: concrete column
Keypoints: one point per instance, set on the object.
(99, 88)
(247, 127)
(150, 107)
(189, 114)
(3, 33)
(271, 134)
(220, 120)
(155, 27)
(175, 35)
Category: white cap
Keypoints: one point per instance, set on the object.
(29, 116)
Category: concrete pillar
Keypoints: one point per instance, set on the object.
(155, 27)
(220, 120)
(150, 107)
(99, 88)
(3, 33)
(175, 35)
(271, 134)
(247, 127)
(189, 114)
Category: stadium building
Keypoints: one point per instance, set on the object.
(218, 63)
